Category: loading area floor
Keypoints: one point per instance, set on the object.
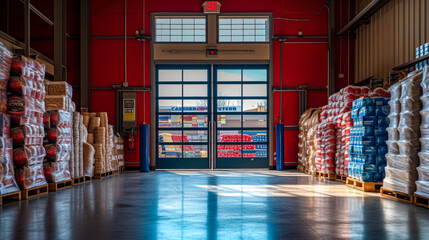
(212, 205)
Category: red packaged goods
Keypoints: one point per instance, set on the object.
(46, 120)
(32, 118)
(365, 90)
(27, 135)
(4, 124)
(56, 171)
(28, 155)
(3, 101)
(5, 64)
(60, 118)
(348, 89)
(26, 67)
(30, 176)
(64, 135)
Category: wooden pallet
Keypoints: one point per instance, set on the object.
(327, 176)
(60, 185)
(408, 198)
(122, 169)
(102, 175)
(78, 181)
(88, 179)
(421, 201)
(340, 178)
(364, 186)
(7, 197)
(317, 174)
(301, 168)
(34, 192)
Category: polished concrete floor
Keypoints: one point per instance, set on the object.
(212, 205)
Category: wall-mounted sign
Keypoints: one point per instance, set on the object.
(211, 7)
(129, 110)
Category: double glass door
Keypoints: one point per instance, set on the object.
(207, 120)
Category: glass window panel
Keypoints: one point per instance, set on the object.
(237, 21)
(255, 150)
(199, 105)
(229, 90)
(224, 32)
(188, 21)
(254, 90)
(194, 121)
(195, 136)
(170, 90)
(200, 38)
(229, 136)
(172, 29)
(170, 121)
(188, 38)
(170, 105)
(229, 121)
(195, 90)
(170, 75)
(228, 75)
(237, 38)
(252, 75)
(195, 151)
(249, 38)
(255, 136)
(228, 151)
(169, 136)
(170, 151)
(250, 105)
(224, 21)
(225, 38)
(253, 26)
(254, 121)
(195, 75)
(228, 105)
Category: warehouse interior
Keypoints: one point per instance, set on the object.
(276, 119)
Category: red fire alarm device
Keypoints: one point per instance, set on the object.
(211, 7)
(211, 52)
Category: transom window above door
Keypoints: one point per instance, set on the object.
(180, 29)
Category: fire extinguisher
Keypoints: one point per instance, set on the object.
(131, 143)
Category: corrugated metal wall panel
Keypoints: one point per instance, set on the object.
(391, 38)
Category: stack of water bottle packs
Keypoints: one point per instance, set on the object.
(422, 185)
(368, 139)
(404, 134)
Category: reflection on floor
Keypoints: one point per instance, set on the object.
(212, 205)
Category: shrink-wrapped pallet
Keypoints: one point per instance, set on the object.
(422, 185)
(26, 106)
(302, 137)
(403, 144)
(94, 122)
(88, 159)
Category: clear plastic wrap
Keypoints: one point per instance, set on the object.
(395, 106)
(88, 159)
(407, 187)
(5, 64)
(7, 172)
(393, 147)
(28, 155)
(393, 120)
(56, 171)
(410, 87)
(424, 158)
(392, 134)
(395, 91)
(425, 79)
(59, 89)
(402, 162)
(422, 188)
(58, 152)
(409, 119)
(409, 148)
(423, 171)
(409, 133)
(30, 176)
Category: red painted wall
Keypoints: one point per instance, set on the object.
(302, 63)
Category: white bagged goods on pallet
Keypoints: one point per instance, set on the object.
(26, 106)
(88, 159)
(422, 185)
(307, 121)
(302, 136)
(403, 134)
